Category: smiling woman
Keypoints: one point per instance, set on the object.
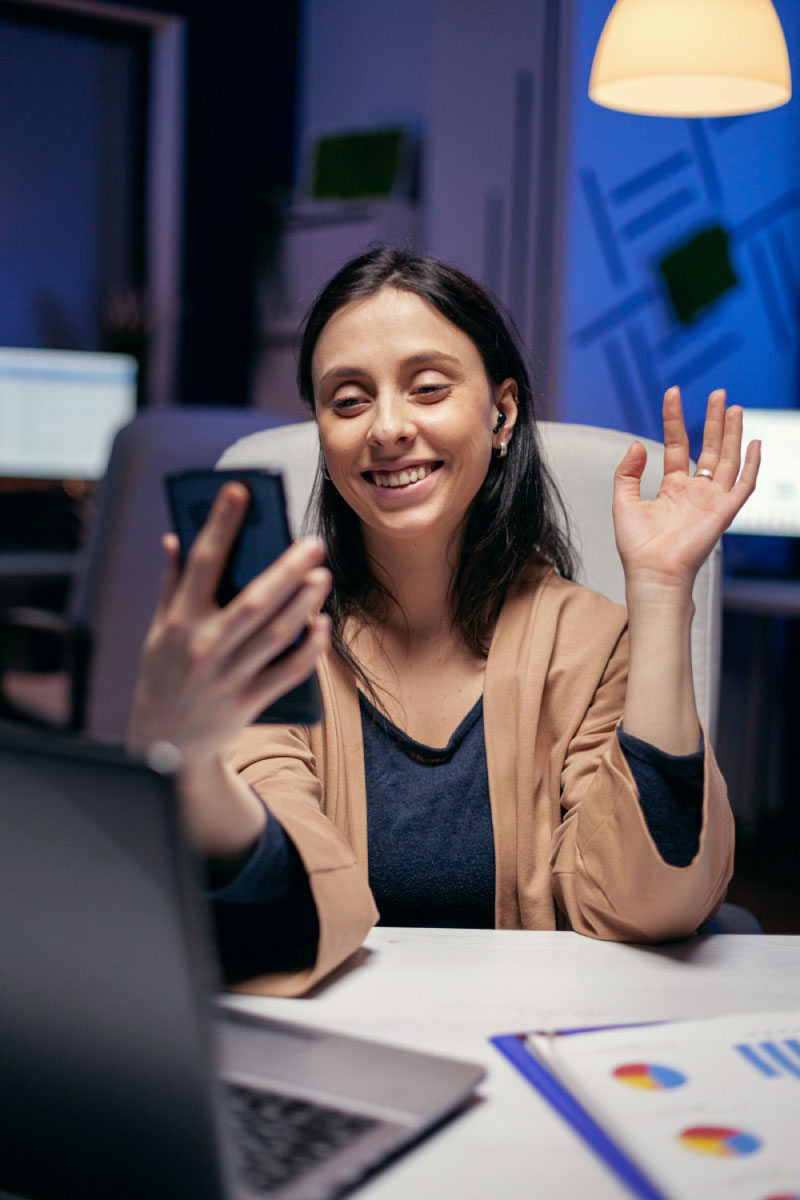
(407, 438)
(432, 377)
(499, 746)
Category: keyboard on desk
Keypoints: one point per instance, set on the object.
(279, 1141)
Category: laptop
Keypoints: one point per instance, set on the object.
(120, 1075)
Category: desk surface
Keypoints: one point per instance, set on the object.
(450, 990)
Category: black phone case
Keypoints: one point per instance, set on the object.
(263, 537)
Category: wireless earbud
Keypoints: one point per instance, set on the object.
(501, 420)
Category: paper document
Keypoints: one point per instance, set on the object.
(706, 1109)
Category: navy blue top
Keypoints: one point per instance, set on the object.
(429, 824)
(430, 843)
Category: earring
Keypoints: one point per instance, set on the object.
(502, 450)
(501, 420)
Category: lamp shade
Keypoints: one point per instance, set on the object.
(691, 58)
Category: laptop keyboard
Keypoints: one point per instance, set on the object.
(280, 1138)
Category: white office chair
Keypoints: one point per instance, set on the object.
(583, 459)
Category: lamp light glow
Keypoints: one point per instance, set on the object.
(691, 58)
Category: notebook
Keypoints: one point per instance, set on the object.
(120, 1075)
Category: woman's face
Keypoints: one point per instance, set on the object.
(405, 412)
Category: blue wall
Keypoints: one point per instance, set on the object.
(49, 189)
(640, 186)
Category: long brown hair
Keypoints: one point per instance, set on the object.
(517, 518)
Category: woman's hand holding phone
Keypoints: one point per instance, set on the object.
(207, 671)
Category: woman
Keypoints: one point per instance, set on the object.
(499, 745)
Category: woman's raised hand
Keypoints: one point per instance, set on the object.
(208, 671)
(664, 542)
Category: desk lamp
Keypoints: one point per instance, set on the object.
(691, 58)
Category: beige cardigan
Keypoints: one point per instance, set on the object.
(572, 848)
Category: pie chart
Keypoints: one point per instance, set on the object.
(719, 1140)
(649, 1076)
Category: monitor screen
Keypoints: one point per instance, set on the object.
(774, 507)
(60, 410)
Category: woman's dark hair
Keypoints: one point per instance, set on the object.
(517, 518)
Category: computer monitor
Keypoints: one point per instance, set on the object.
(60, 410)
(774, 508)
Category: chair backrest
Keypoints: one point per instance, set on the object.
(118, 581)
(583, 459)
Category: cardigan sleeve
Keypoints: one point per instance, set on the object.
(277, 762)
(609, 877)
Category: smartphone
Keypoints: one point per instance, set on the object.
(263, 537)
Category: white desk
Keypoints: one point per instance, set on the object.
(449, 990)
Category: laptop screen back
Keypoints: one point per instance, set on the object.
(106, 1062)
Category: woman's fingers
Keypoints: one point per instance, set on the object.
(628, 475)
(206, 559)
(721, 454)
(713, 432)
(676, 441)
(267, 596)
(274, 637)
(202, 662)
(745, 485)
(730, 454)
(720, 457)
(720, 460)
(172, 573)
(278, 678)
